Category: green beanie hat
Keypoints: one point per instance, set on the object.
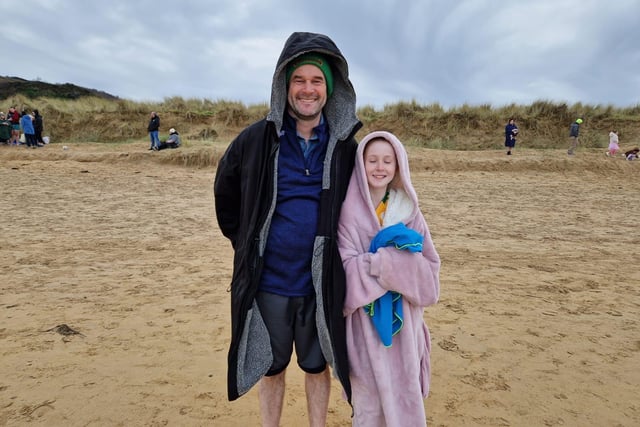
(319, 61)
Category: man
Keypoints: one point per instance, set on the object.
(172, 142)
(574, 130)
(278, 192)
(154, 126)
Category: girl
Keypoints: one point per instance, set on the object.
(613, 144)
(392, 273)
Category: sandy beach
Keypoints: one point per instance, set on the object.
(538, 323)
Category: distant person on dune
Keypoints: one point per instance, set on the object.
(38, 126)
(172, 142)
(613, 144)
(153, 128)
(5, 129)
(26, 123)
(510, 134)
(574, 131)
(632, 154)
(14, 117)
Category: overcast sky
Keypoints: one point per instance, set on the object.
(447, 52)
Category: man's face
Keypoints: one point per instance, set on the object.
(307, 92)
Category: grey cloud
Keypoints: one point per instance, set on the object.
(475, 52)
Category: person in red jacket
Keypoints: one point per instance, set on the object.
(14, 117)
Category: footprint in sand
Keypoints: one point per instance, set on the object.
(448, 345)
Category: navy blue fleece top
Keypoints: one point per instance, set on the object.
(289, 248)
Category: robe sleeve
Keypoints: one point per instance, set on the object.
(227, 191)
(369, 276)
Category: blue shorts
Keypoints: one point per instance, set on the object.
(292, 320)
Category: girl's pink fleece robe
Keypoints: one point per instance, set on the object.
(388, 384)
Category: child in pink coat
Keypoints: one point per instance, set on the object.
(388, 255)
(613, 144)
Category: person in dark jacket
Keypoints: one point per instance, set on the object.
(5, 129)
(153, 128)
(278, 192)
(574, 131)
(38, 126)
(510, 135)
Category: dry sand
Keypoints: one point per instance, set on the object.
(537, 325)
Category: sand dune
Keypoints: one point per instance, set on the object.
(538, 322)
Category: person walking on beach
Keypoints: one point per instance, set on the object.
(278, 193)
(392, 270)
(510, 134)
(153, 128)
(613, 144)
(574, 131)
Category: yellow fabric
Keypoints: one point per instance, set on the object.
(381, 209)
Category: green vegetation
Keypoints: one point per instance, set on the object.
(10, 86)
(98, 117)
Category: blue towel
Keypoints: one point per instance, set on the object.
(399, 236)
(386, 315)
(386, 311)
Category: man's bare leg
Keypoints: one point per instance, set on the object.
(318, 389)
(271, 395)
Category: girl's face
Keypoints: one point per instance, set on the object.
(379, 164)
